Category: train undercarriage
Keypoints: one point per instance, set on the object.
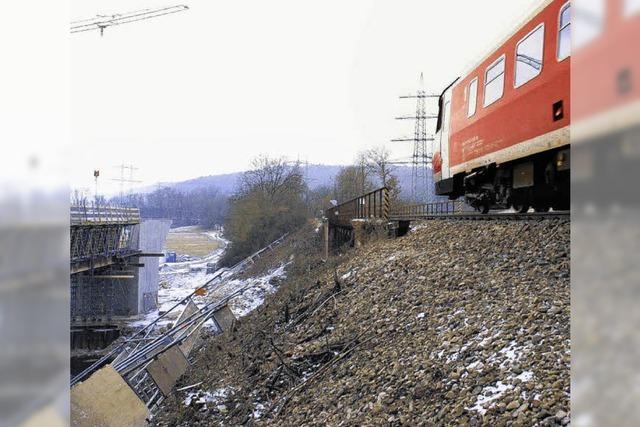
(540, 181)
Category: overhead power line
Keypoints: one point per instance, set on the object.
(123, 180)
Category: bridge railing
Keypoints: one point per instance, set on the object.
(105, 214)
(436, 208)
(374, 204)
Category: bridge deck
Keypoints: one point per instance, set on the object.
(103, 215)
(101, 235)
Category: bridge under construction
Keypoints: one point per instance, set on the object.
(113, 270)
(140, 370)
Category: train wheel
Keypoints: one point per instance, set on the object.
(561, 205)
(484, 208)
(521, 207)
(541, 208)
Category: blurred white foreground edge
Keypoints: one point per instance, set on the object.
(34, 252)
(605, 273)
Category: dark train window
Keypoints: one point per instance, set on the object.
(439, 123)
(529, 56)
(558, 111)
(624, 81)
(564, 32)
(494, 82)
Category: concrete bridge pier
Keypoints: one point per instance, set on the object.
(365, 230)
(325, 239)
(359, 232)
(403, 228)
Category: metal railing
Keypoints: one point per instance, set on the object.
(374, 204)
(105, 214)
(436, 208)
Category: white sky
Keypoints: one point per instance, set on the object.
(203, 91)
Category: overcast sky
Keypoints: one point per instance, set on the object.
(203, 91)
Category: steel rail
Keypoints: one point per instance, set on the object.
(476, 216)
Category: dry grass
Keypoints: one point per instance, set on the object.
(191, 241)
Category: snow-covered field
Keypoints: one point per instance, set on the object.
(179, 279)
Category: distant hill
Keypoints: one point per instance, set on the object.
(226, 183)
(317, 176)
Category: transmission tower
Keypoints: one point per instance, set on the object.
(124, 180)
(100, 22)
(422, 152)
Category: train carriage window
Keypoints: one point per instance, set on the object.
(473, 97)
(631, 7)
(494, 82)
(564, 32)
(588, 23)
(529, 55)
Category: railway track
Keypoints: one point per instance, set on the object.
(492, 216)
(376, 206)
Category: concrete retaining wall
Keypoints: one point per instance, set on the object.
(90, 408)
(153, 233)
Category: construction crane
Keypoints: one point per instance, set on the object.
(100, 22)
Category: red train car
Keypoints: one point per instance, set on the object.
(605, 129)
(502, 137)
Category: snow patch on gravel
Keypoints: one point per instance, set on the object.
(488, 395)
(477, 365)
(258, 410)
(203, 397)
(525, 376)
(258, 288)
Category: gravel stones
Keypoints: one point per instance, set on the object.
(459, 322)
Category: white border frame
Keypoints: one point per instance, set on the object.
(562, 9)
(475, 108)
(502, 57)
(515, 57)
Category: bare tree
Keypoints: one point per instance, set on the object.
(351, 181)
(378, 160)
(271, 176)
(270, 201)
(363, 179)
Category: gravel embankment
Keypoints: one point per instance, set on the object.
(459, 322)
